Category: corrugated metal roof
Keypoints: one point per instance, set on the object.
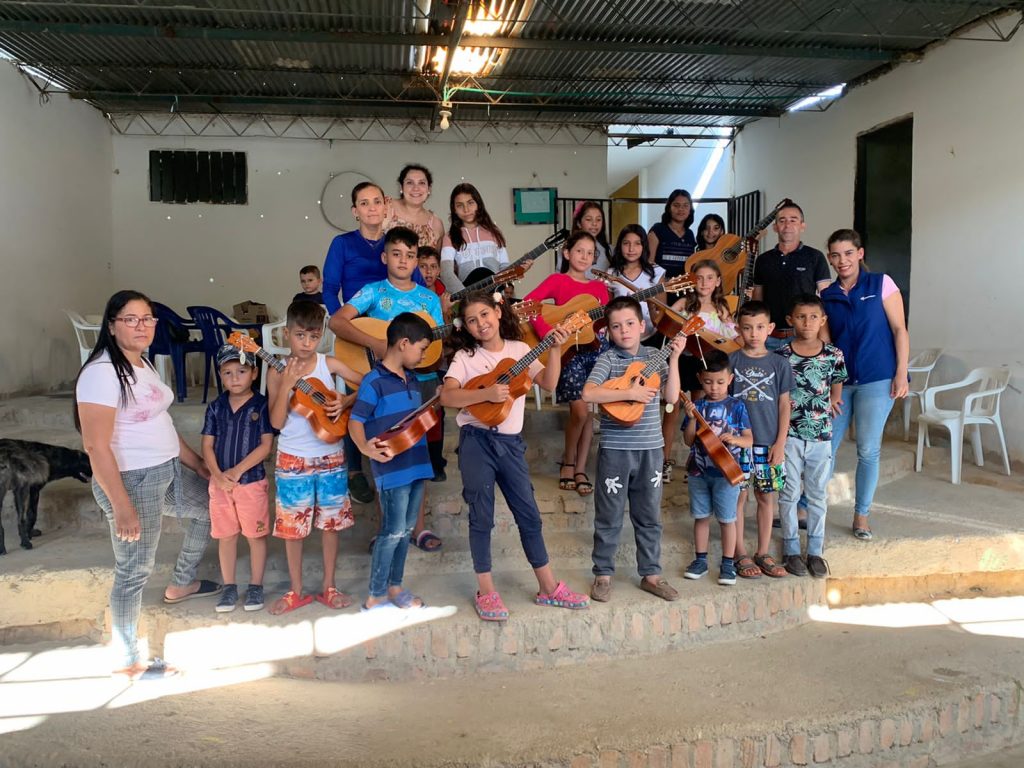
(718, 62)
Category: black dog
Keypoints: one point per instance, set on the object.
(25, 467)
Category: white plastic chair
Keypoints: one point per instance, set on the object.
(86, 333)
(920, 369)
(979, 407)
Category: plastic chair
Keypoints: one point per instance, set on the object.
(86, 334)
(920, 369)
(175, 344)
(980, 407)
(215, 327)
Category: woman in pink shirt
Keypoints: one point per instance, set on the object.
(577, 258)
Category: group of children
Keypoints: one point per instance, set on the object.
(772, 411)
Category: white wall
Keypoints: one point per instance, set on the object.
(55, 224)
(250, 257)
(968, 193)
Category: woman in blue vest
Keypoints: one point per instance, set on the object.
(865, 320)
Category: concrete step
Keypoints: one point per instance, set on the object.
(840, 692)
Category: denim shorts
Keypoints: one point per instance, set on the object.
(710, 493)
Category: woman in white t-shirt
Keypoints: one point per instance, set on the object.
(141, 469)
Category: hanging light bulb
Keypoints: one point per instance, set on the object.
(445, 114)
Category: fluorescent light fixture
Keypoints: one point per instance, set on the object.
(810, 101)
(486, 19)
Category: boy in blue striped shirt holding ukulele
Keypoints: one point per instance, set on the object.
(386, 395)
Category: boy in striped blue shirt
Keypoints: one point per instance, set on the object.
(386, 395)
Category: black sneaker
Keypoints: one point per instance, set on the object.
(360, 489)
(794, 565)
(818, 566)
(228, 599)
(440, 476)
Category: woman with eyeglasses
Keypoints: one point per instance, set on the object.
(142, 469)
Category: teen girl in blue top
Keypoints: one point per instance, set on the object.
(671, 240)
(866, 321)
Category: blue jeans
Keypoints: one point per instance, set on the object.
(711, 493)
(808, 463)
(772, 343)
(167, 488)
(868, 405)
(398, 508)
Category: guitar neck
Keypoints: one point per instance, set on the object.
(540, 250)
(278, 365)
(441, 331)
(526, 360)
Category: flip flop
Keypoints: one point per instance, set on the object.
(207, 588)
(584, 487)
(406, 599)
(423, 540)
(289, 601)
(331, 595)
(864, 534)
(158, 670)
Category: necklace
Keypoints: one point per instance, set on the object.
(372, 243)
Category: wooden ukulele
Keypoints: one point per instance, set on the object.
(361, 359)
(516, 374)
(554, 313)
(644, 372)
(669, 323)
(413, 426)
(730, 252)
(516, 270)
(716, 449)
(309, 396)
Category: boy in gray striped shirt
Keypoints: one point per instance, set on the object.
(629, 456)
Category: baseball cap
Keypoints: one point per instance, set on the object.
(232, 354)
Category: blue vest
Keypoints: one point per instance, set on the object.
(860, 328)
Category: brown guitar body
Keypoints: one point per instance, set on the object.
(669, 323)
(492, 414)
(553, 314)
(729, 253)
(361, 359)
(324, 428)
(410, 430)
(718, 452)
(628, 412)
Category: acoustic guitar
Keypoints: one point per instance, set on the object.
(362, 359)
(412, 427)
(730, 252)
(645, 372)
(518, 268)
(555, 313)
(516, 374)
(308, 397)
(717, 451)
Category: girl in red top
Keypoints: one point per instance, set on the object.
(577, 258)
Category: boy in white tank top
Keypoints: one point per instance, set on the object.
(310, 476)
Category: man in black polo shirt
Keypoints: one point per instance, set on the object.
(789, 269)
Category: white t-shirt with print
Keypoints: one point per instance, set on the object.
(144, 435)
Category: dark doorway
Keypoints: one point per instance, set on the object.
(882, 202)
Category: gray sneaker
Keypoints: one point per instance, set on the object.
(254, 597)
(794, 565)
(228, 598)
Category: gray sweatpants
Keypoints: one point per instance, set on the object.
(632, 477)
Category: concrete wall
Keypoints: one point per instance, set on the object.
(55, 220)
(968, 190)
(249, 257)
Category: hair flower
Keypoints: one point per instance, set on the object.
(498, 298)
(457, 322)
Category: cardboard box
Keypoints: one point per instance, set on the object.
(251, 312)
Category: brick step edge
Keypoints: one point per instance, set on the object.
(974, 721)
(531, 640)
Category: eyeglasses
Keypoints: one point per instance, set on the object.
(132, 321)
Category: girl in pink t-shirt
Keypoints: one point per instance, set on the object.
(486, 335)
(577, 258)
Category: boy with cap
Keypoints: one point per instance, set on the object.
(237, 438)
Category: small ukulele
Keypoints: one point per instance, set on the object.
(308, 397)
(643, 372)
(516, 374)
(413, 426)
(716, 449)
